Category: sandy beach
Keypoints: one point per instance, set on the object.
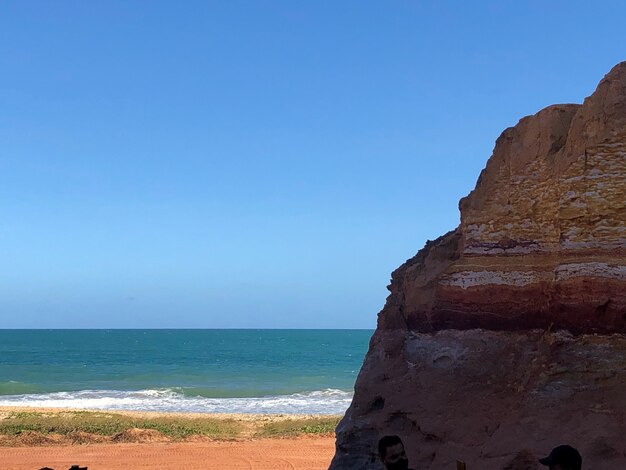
(150, 449)
(298, 453)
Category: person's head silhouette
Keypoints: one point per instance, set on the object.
(392, 454)
(563, 458)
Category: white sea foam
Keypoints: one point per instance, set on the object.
(327, 401)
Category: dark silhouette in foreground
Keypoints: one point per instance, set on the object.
(563, 458)
(73, 467)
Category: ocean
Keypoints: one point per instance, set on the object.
(216, 371)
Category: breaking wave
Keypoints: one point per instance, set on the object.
(328, 401)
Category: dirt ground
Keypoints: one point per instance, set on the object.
(302, 453)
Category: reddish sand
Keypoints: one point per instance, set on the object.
(298, 453)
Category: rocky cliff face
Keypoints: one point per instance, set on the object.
(541, 245)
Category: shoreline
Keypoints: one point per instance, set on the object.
(178, 414)
(174, 400)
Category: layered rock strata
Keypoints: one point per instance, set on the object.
(541, 245)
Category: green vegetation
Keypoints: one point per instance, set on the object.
(108, 424)
(294, 427)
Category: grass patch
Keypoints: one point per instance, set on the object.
(109, 424)
(104, 426)
(294, 427)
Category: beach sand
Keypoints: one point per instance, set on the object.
(196, 452)
(296, 453)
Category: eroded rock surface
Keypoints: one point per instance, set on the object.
(463, 364)
(485, 396)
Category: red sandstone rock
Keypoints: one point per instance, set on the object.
(542, 239)
(457, 366)
(485, 396)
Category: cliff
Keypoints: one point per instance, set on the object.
(464, 363)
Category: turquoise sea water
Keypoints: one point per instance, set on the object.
(256, 371)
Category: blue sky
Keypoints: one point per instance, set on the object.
(250, 164)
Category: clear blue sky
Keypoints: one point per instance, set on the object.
(257, 163)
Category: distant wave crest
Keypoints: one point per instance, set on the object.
(328, 401)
